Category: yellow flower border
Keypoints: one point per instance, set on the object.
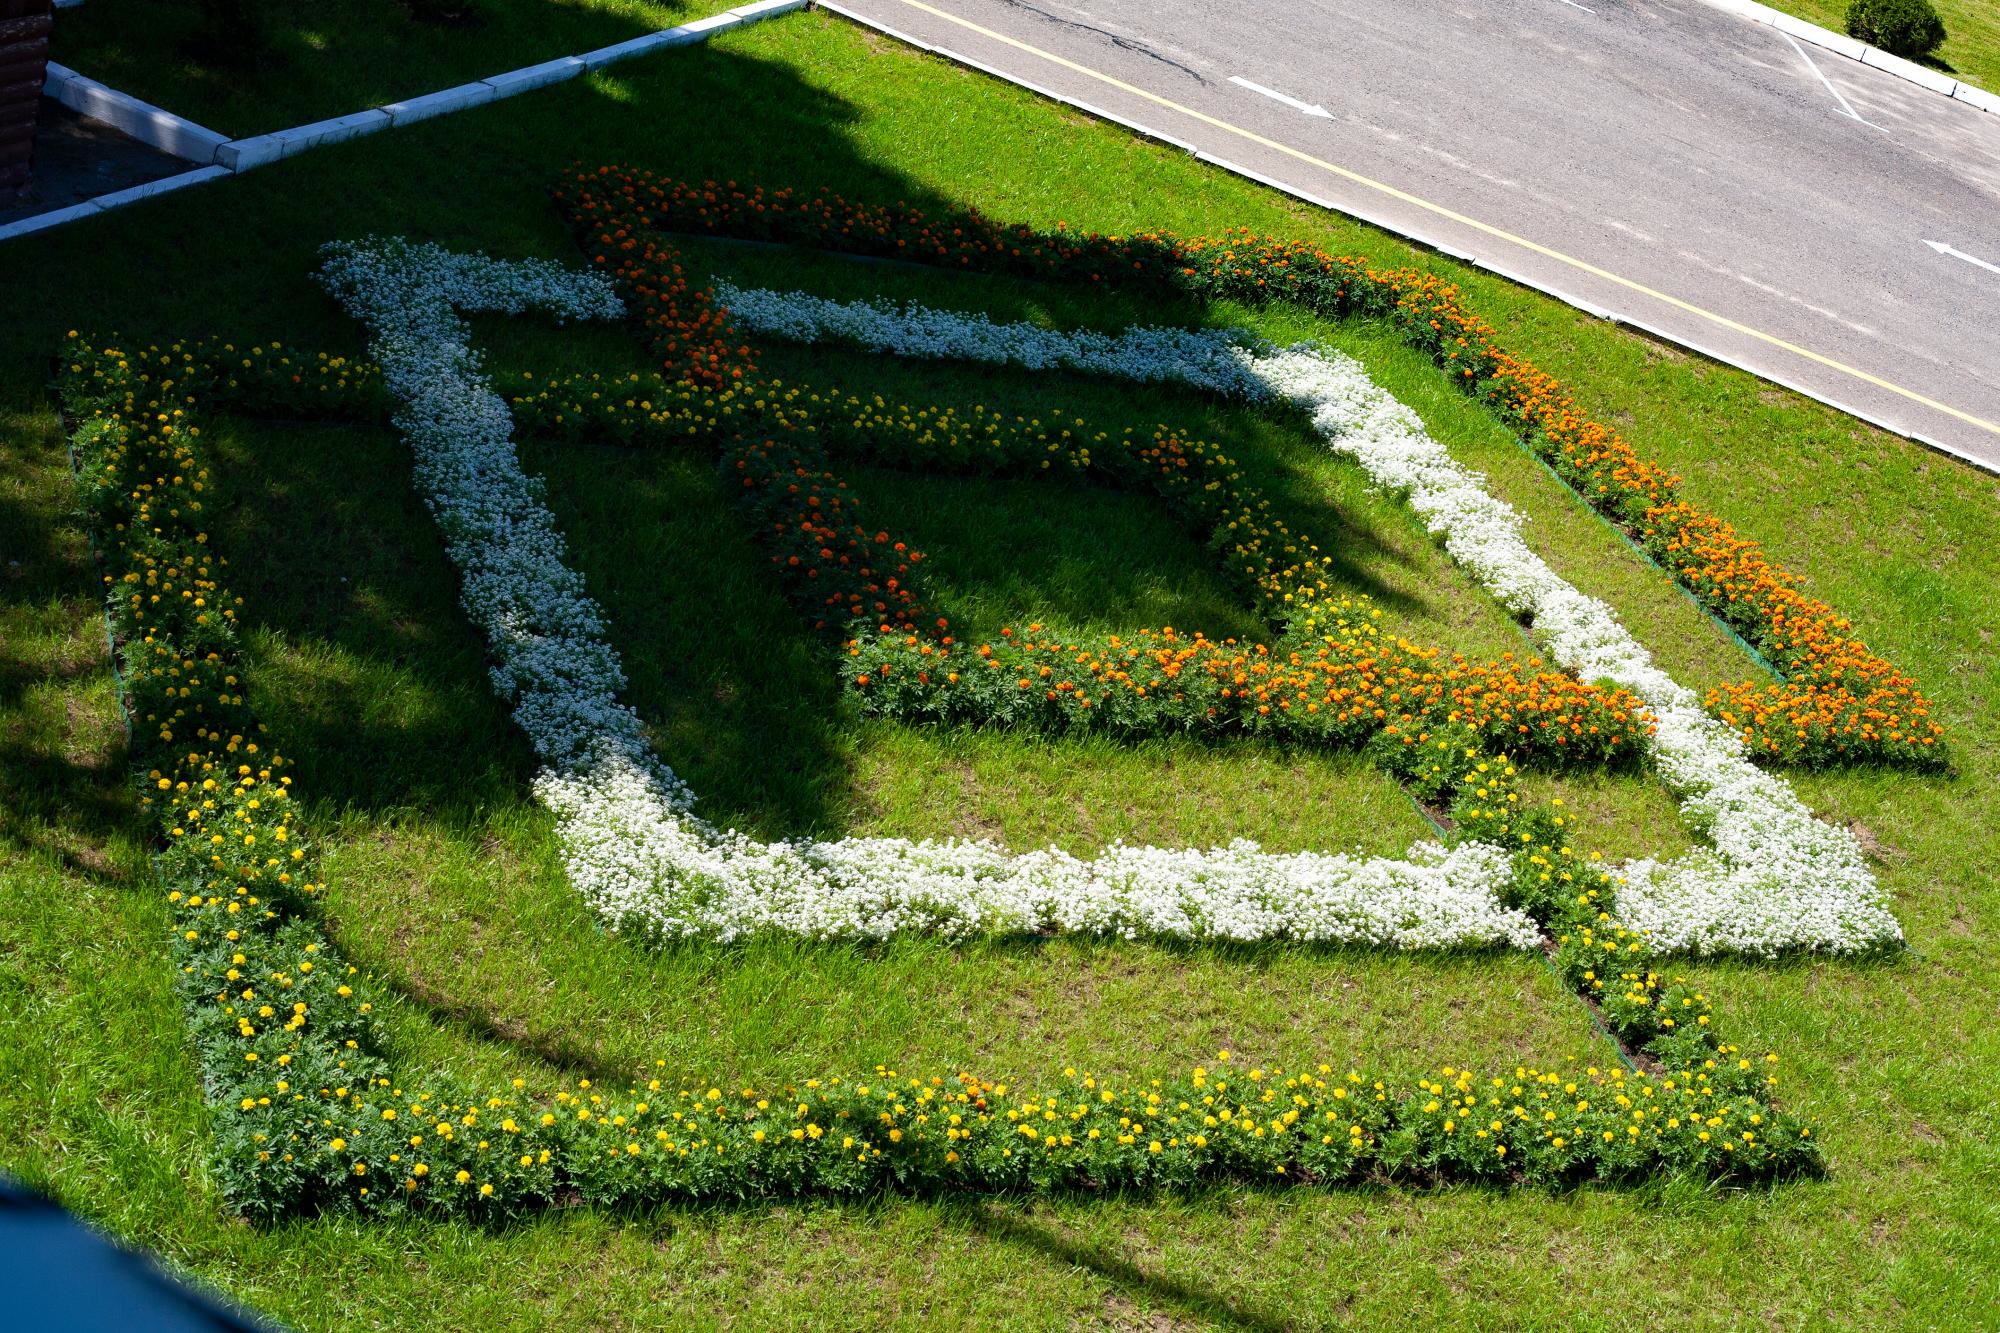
(308, 1115)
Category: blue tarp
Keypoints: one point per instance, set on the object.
(58, 1275)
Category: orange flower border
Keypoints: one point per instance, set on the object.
(1335, 676)
(1839, 703)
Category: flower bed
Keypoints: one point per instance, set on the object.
(1338, 678)
(622, 818)
(632, 846)
(309, 1116)
(681, 320)
(1839, 702)
(1329, 689)
(1776, 878)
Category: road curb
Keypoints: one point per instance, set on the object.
(150, 125)
(104, 203)
(183, 138)
(1874, 57)
(1396, 229)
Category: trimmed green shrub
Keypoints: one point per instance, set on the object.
(1907, 28)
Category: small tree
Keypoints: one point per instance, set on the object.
(1907, 28)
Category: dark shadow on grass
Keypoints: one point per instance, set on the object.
(1355, 558)
(360, 662)
(62, 793)
(1016, 1227)
(69, 809)
(271, 65)
(1025, 550)
(378, 686)
(479, 1024)
(43, 550)
(1004, 298)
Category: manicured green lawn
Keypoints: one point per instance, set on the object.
(444, 886)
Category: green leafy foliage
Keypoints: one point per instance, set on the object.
(1907, 28)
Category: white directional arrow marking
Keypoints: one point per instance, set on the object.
(1846, 107)
(1276, 96)
(1944, 249)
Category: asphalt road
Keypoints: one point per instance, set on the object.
(1657, 160)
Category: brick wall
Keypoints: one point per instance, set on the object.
(24, 60)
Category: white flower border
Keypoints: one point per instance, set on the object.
(1212, 358)
(631, 843)
(1776, 878)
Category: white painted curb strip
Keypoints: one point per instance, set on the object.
(141, 120)
(638, 46)
(43, 221)
(535, 76)
(1396, 229)
(336, 130)
(167, 185)
(1843, 45)
(105, 202)
(439, 103)
(183, 138)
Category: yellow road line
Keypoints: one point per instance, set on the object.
(1439, 209)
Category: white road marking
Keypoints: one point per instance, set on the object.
(1571, 3)
(1292, 102)
(1828, 83)
(1944, 249)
